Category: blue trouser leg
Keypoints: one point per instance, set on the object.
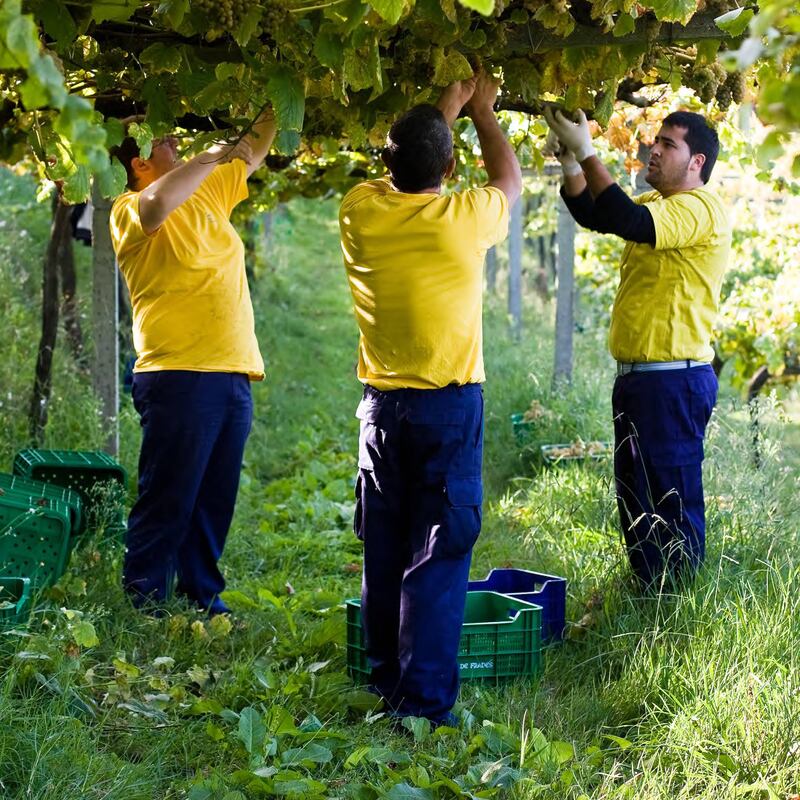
(199, 577)
(185, 417)
(418, 513)
(659, 422)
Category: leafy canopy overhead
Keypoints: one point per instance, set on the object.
(337, 72)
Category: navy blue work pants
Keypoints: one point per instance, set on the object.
(660, 420)
(418, 512)
(195, 425)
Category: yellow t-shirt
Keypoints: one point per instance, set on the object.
(668, 295)
(187, 282)
(414, 263)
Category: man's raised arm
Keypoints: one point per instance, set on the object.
(498, 156)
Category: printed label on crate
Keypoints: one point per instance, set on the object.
(477, 665)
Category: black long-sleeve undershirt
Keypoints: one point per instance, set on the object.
(612, 211)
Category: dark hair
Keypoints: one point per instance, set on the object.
(126, 151)
(419, 149)
(700, 137)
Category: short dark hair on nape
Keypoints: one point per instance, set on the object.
(700, 137)
(419, 149)
(126, 151)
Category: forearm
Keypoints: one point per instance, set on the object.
(597, 177)
(450, 108)
(261, 137)
(158, 200)
(614, 212)
(574, 185)
(498, 156)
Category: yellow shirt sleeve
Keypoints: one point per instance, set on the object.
(682, 220)
(227, 185)
(127, 234)
(490, 209)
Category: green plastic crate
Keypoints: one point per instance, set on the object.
(84, 471)
(15, 602)
(523, 429)
(34, 538)
(500, 639)
(50, 491)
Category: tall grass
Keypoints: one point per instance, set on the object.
(690, 695)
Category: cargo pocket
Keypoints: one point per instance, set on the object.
(461, 517)
(358, 514)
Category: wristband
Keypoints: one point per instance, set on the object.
(586, 151)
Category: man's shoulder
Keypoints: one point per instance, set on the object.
(365, 190)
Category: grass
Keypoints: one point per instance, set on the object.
(693, 695)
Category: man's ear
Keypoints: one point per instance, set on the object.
(699, 160)
(451, 168)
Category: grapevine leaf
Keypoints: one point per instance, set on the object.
(625, 24)
(159, 113)
(605, 108)
(484, 7)
(22, 41)
(57, 21)
(114, 10)
(452, 67)
(735, 22)
(45, 72)
(161, 57)
(173, 10)
(112, 181)
(707, 50)
(76, 188)
(252, 731)
(287, 95)
(674, 10)
(328, 49)
(143, 136)
(248, 24)
(389, 10)
(287, 143)
(357, 70)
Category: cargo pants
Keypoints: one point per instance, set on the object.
(418, 512)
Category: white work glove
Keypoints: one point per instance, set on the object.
(576, 136)
(553, 147)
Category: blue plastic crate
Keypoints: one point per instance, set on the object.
(547, 591)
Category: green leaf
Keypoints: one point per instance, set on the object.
(290, 782)
(484, 7)
(248, 24)
(735, 22)
(76, 188)
(313, 752)
(674, 10)
(252, 730)
(280, 721)
(114, 10)
(287, 95)
(22, 40)
(623, 744)
(206, 705)
(173, 10)
(45, 72)
(57, 21)
(452, 66)
(143, 135)
(769, 151)
(605, 108)
(329, 49)
(115, 133)
(420, 727)
(159, 113)
(625, 24)
(114, 180)
(707, 50)
(405, 791)
(389, 10)
(287, 143)
(161, 57)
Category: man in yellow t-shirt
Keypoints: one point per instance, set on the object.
(196, 349)
(678, 241)
(414, 259)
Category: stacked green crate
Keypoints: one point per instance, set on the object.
(501, 639)
(98, 479)
(15, 602)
